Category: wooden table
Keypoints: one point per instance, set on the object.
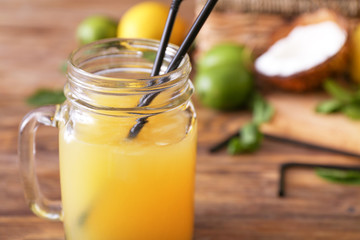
(236, 196)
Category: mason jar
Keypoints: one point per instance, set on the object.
(127, 145)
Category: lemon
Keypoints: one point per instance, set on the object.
(355, 56)
(95, 28)
(147, 20)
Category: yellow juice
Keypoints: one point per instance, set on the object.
(119, 189)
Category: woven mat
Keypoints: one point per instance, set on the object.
(349, 8)
(252, 22)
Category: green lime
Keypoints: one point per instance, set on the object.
(95, 28)
(225, 87)
(225, 54)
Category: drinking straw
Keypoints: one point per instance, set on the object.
(189, 39)
(286, 166)
(218, 146)
(165, 36)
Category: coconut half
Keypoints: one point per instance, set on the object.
(303, 54)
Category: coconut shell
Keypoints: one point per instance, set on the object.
(312, 78)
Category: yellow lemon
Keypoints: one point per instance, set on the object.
(355, 55)
(147, 20)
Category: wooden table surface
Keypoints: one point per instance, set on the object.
(236, 196)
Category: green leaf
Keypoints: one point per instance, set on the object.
(262, 110)
(352, 111)
(329, 106)
(250, 137)
(63, 67)
(357, 96)
(339, 176)
(338, 92)
(46, 97)
(234, 146)
(249, 140)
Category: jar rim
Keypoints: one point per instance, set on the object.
(89, 88)
(92, 78)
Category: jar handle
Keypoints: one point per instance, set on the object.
(38, 203)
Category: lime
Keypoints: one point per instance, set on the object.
(147, 20)
(225, 87)
(95, 28)
(225, 54)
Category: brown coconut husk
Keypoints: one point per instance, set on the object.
(311, 78)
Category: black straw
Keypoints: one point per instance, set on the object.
(165, 37)
(285, 166)
(224, 143)
(185, 46)
(190, 37)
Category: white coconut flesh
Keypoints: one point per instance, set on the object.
(302, 49)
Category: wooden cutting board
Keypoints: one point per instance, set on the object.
(295, 118)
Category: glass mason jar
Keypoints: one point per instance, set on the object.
(116, 184)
